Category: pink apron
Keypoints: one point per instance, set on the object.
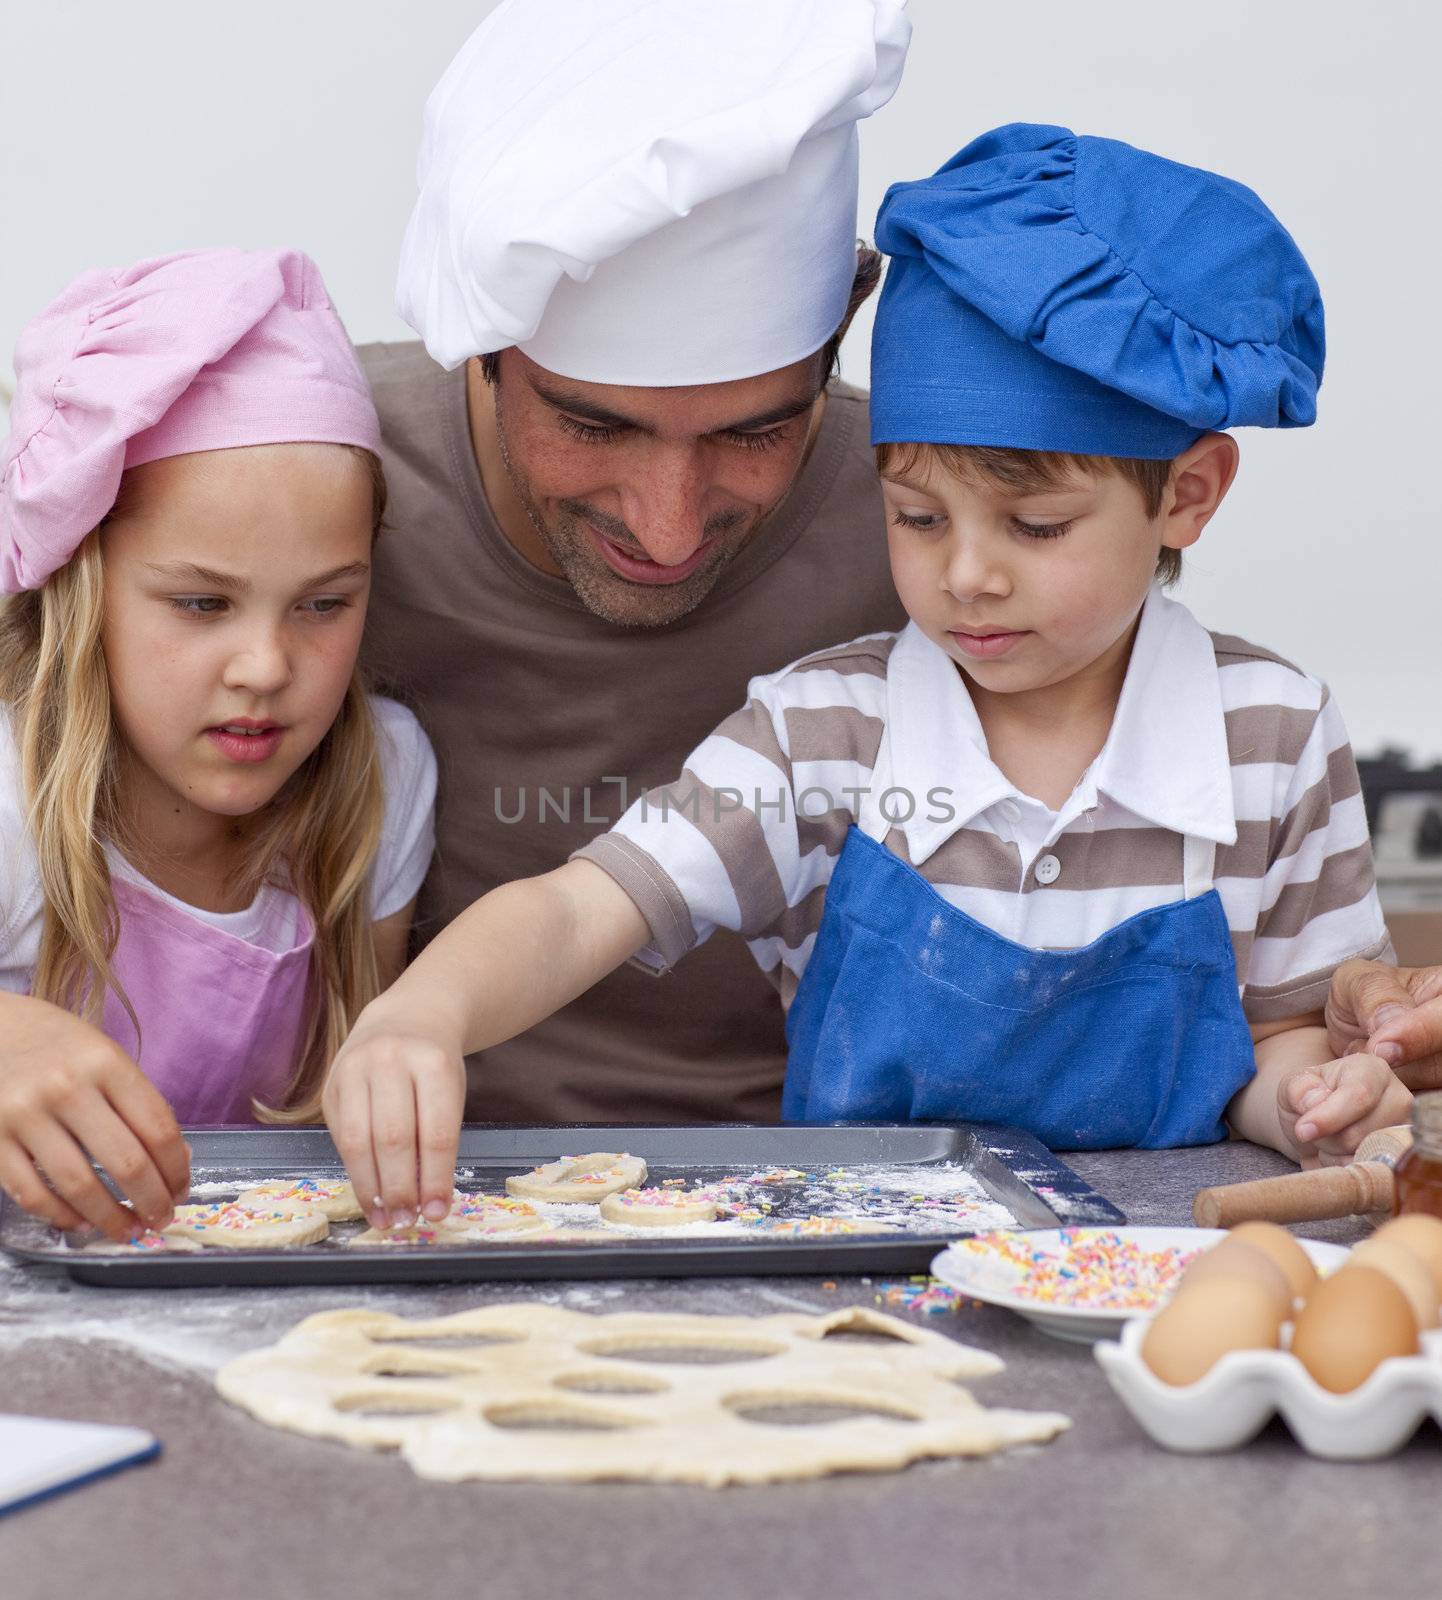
(221, 1020)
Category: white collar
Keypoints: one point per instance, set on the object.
(1165, 759)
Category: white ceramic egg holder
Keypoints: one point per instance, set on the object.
(1233, 1402)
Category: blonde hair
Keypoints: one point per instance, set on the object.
(318, 837)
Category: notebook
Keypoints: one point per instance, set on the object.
(40, 1456)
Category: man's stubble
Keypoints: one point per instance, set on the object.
(604, 592)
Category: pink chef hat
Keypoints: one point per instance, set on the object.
(201, 351)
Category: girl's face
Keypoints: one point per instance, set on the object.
(236, 584)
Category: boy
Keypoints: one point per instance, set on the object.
(1053, 855)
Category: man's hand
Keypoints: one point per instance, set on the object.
(394, 1101)
(1333, 1107)
(1391, 1012)
(71, 1097)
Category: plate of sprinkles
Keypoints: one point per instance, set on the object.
(1075, 1283)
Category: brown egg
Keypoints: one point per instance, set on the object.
(1352, 1322)
(1188, 1337)
(1422, 1235)
(1406, 1271)
(1234, 1258)
(1283, 1249)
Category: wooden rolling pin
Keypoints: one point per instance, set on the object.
(1365, 1186)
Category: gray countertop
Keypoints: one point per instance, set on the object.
(234, 1510)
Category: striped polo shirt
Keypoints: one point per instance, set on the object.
(1213, 739)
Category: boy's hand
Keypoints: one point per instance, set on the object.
(1335, 1106)
(1397, 1011)
(71, 1097)
(394, 1101)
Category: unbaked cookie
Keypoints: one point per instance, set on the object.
(332, 1197)
(231, 1226)
(658, 1208)
(147, 1243)
(584, 1178)
(472, 1218)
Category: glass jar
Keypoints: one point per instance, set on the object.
(1419, 1171)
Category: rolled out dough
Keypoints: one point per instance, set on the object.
(530, 1392)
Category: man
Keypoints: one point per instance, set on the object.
(636, 484)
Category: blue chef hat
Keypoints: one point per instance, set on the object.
(1051, 292)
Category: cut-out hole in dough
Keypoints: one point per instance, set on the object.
(612, 1382)
(400, 1370)
(792, 1409)
(682, 1352)
(555, 1416)
(454, 1341)
(872, 1336)
(393, 1407)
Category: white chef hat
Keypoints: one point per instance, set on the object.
(647, 192)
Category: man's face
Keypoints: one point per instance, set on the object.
(642, 497)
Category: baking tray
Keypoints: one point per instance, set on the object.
(1011, 1167)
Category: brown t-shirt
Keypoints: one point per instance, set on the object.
(532, 703)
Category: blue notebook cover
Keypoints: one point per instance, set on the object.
(40, 1456)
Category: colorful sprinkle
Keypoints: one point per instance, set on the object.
(1095, 1270)
(929, 1296)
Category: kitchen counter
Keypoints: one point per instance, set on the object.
(234, 1510)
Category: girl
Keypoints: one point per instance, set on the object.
(212, 837)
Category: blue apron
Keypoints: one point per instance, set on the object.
(909, 1008)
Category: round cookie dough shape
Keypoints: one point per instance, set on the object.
(658, 1208)
(580, 1178)
(334, 1199)
(147, 1243)
(471, 1219)
(485, 1214)
(231, 1226)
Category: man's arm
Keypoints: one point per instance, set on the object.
(1391, 1012)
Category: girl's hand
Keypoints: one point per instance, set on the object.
(1333, 1107)
(394, 1101)
(71, 1097)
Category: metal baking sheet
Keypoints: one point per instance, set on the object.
(851, 1170)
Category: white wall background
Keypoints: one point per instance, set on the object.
(162, 124)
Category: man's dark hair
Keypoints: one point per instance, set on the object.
(863, 286)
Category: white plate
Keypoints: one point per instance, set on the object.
(992, 1278)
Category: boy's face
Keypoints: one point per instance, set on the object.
(1022, 590)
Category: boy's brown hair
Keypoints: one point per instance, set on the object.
(1035, 471)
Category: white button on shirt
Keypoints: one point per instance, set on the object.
(1048, 869)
